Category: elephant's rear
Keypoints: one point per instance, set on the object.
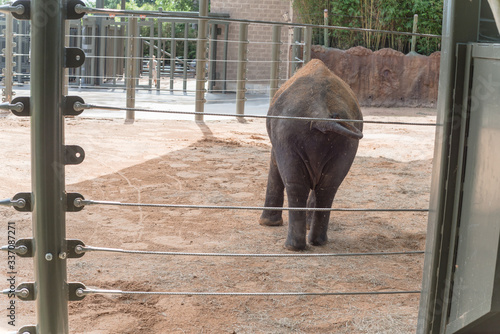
(310, 156)
(315, 82)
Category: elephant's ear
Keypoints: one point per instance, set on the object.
(342, 128)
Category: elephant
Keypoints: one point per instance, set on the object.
(309, 159)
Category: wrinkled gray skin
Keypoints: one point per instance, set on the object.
(310, 159)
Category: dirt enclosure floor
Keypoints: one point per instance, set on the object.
(225, 163)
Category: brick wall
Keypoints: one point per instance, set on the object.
(259, 36)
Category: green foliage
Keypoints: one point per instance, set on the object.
(178, 5)
(166, 5)
(389, 15)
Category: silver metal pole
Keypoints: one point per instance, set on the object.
(9, 60)
(47, 165)
(151, 53)
(19, 62)
(159, 56)
(242, 68)
(275, 61)
(66, 71)
(115, 52)
(102, 51)
(173, 52)
(201, 60)
(224, 66)
(307, 44)
(131, 67)
(295, 49)
(185, 60)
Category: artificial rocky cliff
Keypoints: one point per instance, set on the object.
(385, 78)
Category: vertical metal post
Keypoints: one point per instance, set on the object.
(131, 67)
(9, 59)
(414, 38)
(325, 31)
(224, 67)
(93, 74)
(201, 60)
(213, 56)
(159, 56)
(79, 78)
(66, 71)
(307, 44)
(115, 51)
(47, 165)
(185, 63)
(295, 49)
(101, 32)
(19, 61)
(151, 52)
(275, 61)
(242, 68)
(173, 52)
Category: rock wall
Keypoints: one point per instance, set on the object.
(385, 78)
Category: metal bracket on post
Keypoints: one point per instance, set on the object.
(22, 106)
(70, 202)
(27, 330)
(71, 13)
(75, 291)
(26, 13)
(24, 247)
(75, 57)
(72, 251)
(26, 291)
(70, 107)
(27, 200)
(73, 155)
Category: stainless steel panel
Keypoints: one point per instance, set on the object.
(477, 271)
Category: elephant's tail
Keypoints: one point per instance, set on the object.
(344, 128)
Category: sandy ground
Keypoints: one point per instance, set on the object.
(225, 163)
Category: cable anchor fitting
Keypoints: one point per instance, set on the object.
(18, 9)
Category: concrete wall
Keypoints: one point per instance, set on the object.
(260, 37)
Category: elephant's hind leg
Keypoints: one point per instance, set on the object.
(320, 219)
(297, 197)
(274, 197)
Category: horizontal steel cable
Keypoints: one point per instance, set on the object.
(80, 106)
(82, 249)
(79, 202)
(83, 292)
(88, 10)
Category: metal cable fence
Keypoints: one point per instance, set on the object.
(23, 202)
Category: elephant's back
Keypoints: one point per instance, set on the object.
(314, 91)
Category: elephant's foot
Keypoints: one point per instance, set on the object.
(269, 222)
(295, 246)
(318, 241)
